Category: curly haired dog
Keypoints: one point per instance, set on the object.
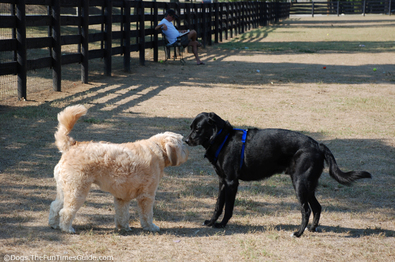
(128, 171)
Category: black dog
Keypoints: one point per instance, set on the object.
(255, 154)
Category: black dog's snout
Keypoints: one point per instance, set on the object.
(189, 141)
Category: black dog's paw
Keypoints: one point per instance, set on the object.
(296, 234)
(208, 223)
(218, 225)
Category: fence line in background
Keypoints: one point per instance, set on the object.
(343, 7)
(77, 31)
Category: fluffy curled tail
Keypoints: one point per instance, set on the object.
(67, 118)
(335, 172)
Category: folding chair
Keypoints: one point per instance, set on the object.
(176, 46)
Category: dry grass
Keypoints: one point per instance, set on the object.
(348, 106)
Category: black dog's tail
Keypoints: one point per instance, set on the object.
(335, 172)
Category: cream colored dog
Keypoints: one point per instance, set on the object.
(127, 171)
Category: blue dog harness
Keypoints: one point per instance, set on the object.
(243, 140)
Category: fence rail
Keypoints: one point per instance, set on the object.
(344, 7)
(77, 31)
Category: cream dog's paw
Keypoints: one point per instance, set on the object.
(152, 228)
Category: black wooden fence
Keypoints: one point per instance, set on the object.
(344, 7)
(120, 26)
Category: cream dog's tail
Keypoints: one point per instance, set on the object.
(67, 118)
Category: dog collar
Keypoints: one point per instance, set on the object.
(243, 140)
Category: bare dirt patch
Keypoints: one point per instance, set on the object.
(347, 105)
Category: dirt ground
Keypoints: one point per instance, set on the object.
(345, 99)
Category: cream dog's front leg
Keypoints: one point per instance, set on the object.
(146, 211)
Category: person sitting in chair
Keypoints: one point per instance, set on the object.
(172, 33)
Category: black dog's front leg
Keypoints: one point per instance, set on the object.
(230, 197)
(219, 206)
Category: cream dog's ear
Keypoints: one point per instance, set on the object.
(172, 153)
(176, 151)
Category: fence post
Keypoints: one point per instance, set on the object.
(231, 7)
(13, 13)
(126, 39)
(312, 9)
(238, 18)
(210, 22)
(156, 44)
(79, 10)
(216, 10)
(258, 14)
(242, 14)
(195, 21)
(338, 7)
(108, 37)
(141, 45)
(49, 14)
(85, 41)
(364, 7)
(226, 6)
(204, 25)
(56, 48)
(187, 20)
(21, 48)
(221, 21)
(389, 7)
(277, 12)
(263, 13)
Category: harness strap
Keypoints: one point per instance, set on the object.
(220, 147)
(219, 132)
(243, 140)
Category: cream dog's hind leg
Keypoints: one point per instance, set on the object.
(74, 198)
(56, 205)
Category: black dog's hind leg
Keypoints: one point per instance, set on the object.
(308, 169)
(219, 206)
(316, 207)
(230, 197)
(306, 211)
(302, 194)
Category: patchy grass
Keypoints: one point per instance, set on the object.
(329, 34)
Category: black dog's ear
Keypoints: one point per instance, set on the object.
(215, 121)
(212, 118)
